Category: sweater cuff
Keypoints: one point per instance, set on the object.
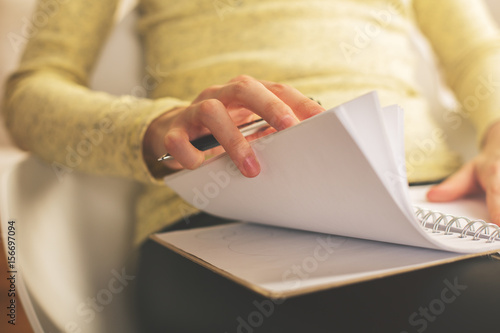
(138, 124)
(484, 123)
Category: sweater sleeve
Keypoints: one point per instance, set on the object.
(467, 43)
(50, 110)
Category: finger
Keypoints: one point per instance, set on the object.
(249, 93)
(303, 106)
(260, 133)
(177, 144)
(213, 115)
(207, 93)
(458, 185)
(493, 200)
(213, 152)
(242, 115)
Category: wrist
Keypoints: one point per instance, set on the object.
(492, 137)
(152, 145)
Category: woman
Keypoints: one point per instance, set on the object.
(197, 52)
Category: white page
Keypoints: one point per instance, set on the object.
(281, 262)
(473, 207)
(314, 177)
(371, 129)
(308, 171)
(393, 117)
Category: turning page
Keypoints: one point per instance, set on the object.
(325, 175)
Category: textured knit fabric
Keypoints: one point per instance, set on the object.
(332, 50)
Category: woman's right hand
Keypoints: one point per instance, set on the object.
(219, 110)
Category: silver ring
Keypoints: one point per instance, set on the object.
(453, 221)
(477, 234)
(438, 222)
(470, 225)
(417, 211)
(427, 216)
(491, 239)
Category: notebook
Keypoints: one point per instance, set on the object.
(330, 207)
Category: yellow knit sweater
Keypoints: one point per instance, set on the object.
(332, 50)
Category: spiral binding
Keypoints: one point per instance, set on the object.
(450, 224)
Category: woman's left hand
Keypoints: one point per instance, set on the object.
(480, 175)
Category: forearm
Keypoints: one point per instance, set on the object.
(50, 110)
(72, 127)
(467, 42)
(478, 93)
(491, 140)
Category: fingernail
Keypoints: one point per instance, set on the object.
(287, 121)
(251, 166)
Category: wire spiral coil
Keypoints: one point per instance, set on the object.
(450, 224)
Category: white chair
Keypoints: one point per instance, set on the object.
(73, 236)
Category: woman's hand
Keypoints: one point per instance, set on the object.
(219, 110)
(481, 175)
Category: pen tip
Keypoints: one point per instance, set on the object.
(165, 157)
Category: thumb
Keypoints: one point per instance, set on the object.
(458, 185)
